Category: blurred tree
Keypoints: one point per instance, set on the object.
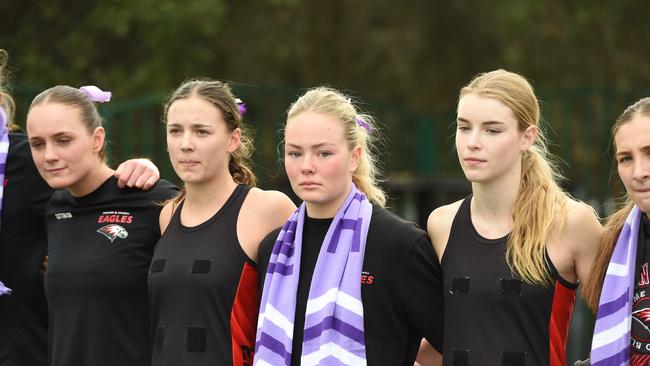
(416, 54)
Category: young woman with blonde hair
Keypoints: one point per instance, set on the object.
(619, 286)
(514, 251)
(346, 282)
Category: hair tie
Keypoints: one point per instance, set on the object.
(95, 94)
(363, 124)
(241, 106)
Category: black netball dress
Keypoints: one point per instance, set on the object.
(204, 293)
(491, 316)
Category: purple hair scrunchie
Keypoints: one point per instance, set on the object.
(241, 106)
(95, 94)
(4, 290)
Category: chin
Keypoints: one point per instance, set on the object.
(307, 196)
(58, 183)
(188, 177)
(473, 177)
(643, 204)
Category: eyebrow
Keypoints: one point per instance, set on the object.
(316, 146)
(460, 119)
(58, 134)
(194, 125)
(627, 152)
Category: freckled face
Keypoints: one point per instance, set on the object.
(318, 161)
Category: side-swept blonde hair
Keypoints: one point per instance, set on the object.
(357, 127)
(591, 290)
(541, 204)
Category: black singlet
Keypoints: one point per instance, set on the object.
(204, 294)
(492, 317)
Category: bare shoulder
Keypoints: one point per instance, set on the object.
(574, 253)
(268, 209)
(441, 218)
(439, 225)
(261, 213)
(580, 217)
(166, 215)
(582, 228)
(270, 202)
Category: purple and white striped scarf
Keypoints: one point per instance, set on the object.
(610, 345)
(4, 149)
(333, 333)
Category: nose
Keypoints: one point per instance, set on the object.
(474, 139)
(641, 171)
(306, 165)
(186, 142)
(50, 153)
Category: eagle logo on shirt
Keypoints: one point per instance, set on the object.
(113, 232)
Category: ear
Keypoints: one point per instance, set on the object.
(355, 157)
(98, 137)
(528, 137)
(234, 140)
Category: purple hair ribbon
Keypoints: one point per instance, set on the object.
(364, 124)
(4, 290)
(241, 106)
(95, 94)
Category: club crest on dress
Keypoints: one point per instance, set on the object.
(113, 231)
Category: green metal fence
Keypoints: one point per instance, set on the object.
(418, 147)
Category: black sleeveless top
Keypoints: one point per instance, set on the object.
(492, 317)
(203, 292)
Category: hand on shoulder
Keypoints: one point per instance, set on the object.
(139, 173)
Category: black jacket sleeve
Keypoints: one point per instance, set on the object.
(264, 255)
(422, 294)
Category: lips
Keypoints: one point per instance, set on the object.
(53, 170)
(473, 161)
(309, 184)
(188, 162)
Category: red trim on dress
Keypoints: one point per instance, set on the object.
(564, 299)
(243, 318)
